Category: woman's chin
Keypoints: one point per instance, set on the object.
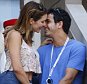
(48, 35)
(37, 31)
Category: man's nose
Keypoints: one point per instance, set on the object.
(45, 24)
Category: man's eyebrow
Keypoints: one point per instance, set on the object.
(47, 19)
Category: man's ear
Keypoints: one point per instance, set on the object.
(31, 21)
(60, 24)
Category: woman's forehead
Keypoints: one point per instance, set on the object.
(44, 17)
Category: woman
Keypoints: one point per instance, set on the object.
(22, 61)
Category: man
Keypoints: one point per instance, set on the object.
(62, 61)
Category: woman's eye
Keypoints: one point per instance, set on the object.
(42, 21)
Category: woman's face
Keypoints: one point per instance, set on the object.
(37, 25)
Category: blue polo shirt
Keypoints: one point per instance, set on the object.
(72, 57)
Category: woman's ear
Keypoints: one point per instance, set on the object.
(60, 24)
(31, 20)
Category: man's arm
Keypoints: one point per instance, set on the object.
(69, 77)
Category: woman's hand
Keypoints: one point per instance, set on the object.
(46, 41)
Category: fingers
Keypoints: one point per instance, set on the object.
(47, 41)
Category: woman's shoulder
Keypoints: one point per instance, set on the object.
(13, 34)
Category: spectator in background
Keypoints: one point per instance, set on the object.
(1, 43)
(2, 53)
(21, 60)
(7, 26)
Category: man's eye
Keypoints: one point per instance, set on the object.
(42, 21)
(47, 21)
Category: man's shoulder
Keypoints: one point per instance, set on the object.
(77, 43)
(44, 47)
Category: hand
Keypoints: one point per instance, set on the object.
(47, 41)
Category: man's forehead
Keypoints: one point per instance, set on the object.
(50, 16)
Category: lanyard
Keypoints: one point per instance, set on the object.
(57, 60)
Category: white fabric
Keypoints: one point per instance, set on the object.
(2, 53)
(24, 45)
(2, 62)
(1, 43)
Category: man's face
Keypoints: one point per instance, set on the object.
(51, 25)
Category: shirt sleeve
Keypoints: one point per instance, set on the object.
(77, 57)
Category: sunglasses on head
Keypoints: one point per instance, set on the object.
(41, 8)
(58, 11)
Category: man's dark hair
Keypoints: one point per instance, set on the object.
(61, 15)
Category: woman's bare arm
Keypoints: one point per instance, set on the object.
(14, 45)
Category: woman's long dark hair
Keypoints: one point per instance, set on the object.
(30, 10)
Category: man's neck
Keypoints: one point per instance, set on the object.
(59, 40)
